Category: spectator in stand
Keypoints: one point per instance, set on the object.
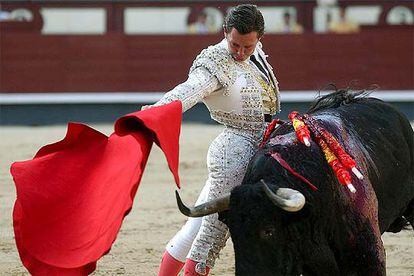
(289, 25)
(342, 25)
(328, 21)
(200, 26)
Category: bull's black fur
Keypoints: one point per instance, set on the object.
(336, 233)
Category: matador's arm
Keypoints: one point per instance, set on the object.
(200, 84)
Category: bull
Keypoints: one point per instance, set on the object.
(279, 226)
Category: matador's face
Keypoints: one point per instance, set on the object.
(241, 46)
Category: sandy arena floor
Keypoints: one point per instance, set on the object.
(155, 217)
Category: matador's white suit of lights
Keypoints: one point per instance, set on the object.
(237, 95)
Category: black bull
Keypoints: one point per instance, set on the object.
(336, 232)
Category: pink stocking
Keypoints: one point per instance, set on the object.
(169, 266)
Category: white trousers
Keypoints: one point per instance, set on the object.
(201, 239)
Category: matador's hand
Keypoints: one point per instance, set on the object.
(145, 107)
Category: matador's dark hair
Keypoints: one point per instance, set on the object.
(244, 18)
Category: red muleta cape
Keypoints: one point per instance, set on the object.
(74, 194)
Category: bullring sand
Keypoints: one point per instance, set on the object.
(154, 218)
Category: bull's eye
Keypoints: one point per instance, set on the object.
(267, 233)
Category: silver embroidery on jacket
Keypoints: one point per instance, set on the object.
(233, 94)
(199, 85)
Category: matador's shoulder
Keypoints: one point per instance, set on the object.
(218, 61)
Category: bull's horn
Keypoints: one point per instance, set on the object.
(208, 208)
(288, 199)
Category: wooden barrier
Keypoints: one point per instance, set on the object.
(115, 62)
(119, 63)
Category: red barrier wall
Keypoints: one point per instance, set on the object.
(115, 62)
(119, 63)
